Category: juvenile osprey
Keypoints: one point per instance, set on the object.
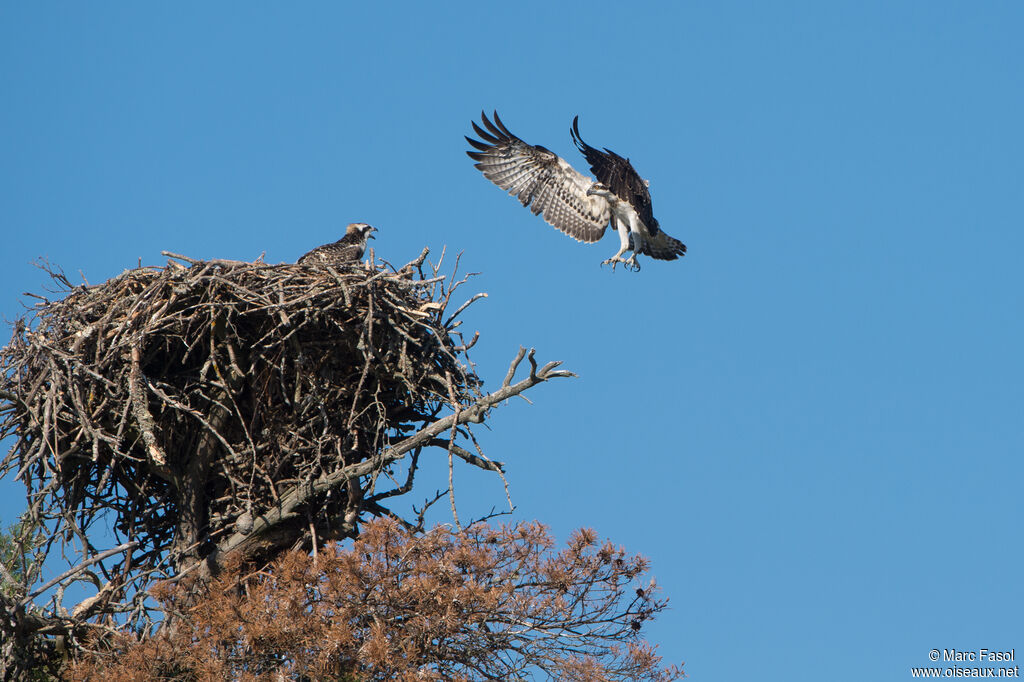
(348, 249)
(569, 200)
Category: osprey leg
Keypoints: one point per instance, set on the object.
(638, 241)
(623, 243)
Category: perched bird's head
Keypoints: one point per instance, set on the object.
(361, 229)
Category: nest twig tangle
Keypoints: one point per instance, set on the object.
(211, 409)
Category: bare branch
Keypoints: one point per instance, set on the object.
(476, 297)
(76, 570)
(142, 415)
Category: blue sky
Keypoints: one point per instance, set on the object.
(813, 424)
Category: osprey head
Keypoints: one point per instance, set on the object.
(600, 190)
(361, 229)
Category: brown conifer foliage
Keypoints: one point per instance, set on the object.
(486, 603)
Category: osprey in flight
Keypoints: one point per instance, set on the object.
(569, 200)
(349, 249)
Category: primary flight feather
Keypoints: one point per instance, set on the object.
(570, 201)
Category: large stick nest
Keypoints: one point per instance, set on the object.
(253, 377)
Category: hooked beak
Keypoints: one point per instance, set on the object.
(369, 235)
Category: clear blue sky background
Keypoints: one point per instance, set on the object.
(812, 424)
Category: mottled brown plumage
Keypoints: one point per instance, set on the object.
(349, 249)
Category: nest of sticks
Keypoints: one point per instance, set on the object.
(179, 404)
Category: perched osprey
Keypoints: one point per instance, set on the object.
(348, 249)
(569, 200)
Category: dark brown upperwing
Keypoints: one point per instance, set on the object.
(619, 176)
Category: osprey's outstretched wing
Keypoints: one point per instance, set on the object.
(541, 180)
(618, 175)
